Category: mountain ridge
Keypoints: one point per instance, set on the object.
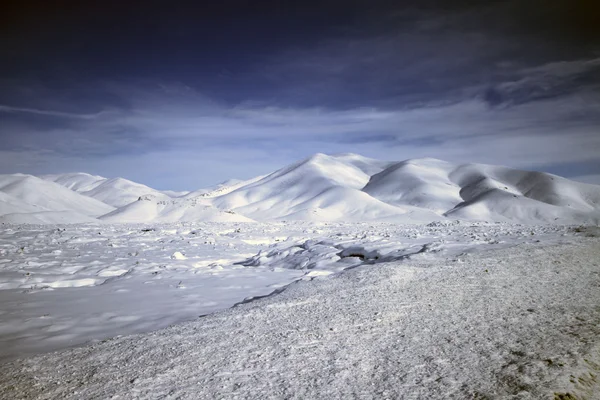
(339, 187)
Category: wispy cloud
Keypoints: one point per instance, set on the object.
(410, 83)
(187, 129)
(11, 109)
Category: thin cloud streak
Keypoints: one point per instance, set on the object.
(170, 128)
(493, 82)
(11, 109)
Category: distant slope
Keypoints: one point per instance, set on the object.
(76, 181)
(157, 209)
(485, 192)
(422, 183)
(500, 193)
(175, 193)
(222, 188)
(50, 196)
(343, 187)
(10, 204)
(116, 192)
(119, 192)
(322, 187)
(369, 166)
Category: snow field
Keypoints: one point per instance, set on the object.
(520, 322)
(67, 285)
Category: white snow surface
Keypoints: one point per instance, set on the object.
(437, 311)
(117, 192)
(35, 195)
(68, 284)
(349, 187)
(335, 277)
(77, 181)
(175, 193)
(221, 188)
(342, 187)
(10, 205)
(152, 209)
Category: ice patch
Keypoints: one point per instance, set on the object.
(178, 256)
(74, 283)
(111, 273)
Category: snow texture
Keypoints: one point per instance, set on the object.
(68, 284)
(334, 277)
(521, 322)
(28, 199)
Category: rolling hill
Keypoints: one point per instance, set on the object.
(28, 199)
(117, 192)
(156, 209)
(344, 187)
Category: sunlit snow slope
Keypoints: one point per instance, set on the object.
(157, 209)
(28, 199)
(319, 188)
(344, 187)
(351, 187)
(117, 192)
(485, 192)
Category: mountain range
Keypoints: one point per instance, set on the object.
(344, 187)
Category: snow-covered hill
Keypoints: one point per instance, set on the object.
(333, 188)
(158, 209)
(222, 188)
(77, 181)
(175, 193)
(319, 188)
(27, 198)
(485, 192)
(343, 187)
(421, 183)
(10, 204)
(117, 192)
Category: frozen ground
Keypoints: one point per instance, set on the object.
(520, 320)
(66, 285)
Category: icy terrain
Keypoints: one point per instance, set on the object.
(510, 323)
(334, 277)
(66, 285)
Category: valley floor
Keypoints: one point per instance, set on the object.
(518, 322)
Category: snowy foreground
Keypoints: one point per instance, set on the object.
(66, 285)
(448, 310)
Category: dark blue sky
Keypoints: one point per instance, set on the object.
(178, 95)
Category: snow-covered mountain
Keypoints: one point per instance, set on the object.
(13, 205)
(27, 198)
(321, 188)
(344, 187)
(222, 188)
(157, 209)
(117, 192)
(485, 192)
(77, 181)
